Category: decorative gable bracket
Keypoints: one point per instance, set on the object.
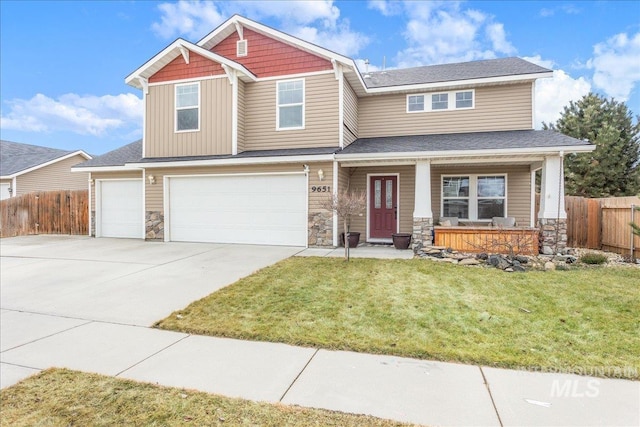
(231, 73)
(145, 84)
(239, 30)
(185, 54)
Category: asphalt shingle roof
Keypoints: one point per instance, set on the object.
(16, 157)
(463, 141)
(248, 154)
(452, 72)
(130, 153)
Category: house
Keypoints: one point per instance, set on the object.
(26, 168)
(249, 129)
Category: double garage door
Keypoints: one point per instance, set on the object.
(253, 209)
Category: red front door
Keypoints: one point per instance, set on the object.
(383, 206)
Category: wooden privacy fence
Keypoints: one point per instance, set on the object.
(45, 212)
(603, 224)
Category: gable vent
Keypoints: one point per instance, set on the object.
(241, 48)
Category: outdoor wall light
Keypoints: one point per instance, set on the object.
(10, 191)
(152, 179)
(320, 174)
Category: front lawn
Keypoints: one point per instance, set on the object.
(60, 397)
(582, 320)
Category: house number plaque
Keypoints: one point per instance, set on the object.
(321, 189)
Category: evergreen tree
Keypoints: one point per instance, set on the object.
(613, 169)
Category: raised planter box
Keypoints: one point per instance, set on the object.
(486, 239)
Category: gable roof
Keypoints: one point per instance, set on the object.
(129, 153)
(171, 52)
(446, 144)
(453, 72)
(17, 158)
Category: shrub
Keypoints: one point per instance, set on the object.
(593, 258)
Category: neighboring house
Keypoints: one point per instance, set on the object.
(25, 168)
(249, 129)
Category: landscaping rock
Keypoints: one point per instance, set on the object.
(509, 270)
(469, 261)
(549, 266)
(522, 259)
(482, 256)
(518, 269)
(498, 261)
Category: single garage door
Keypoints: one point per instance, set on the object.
(119, 210)
(253, 209)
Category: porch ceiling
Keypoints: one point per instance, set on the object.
(535, 161)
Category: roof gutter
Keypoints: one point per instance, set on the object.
(413, 155)
(234, 161)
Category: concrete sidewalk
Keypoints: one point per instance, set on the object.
(417, 391)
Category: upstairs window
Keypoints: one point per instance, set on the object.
(464, 99)
(187, 107)
(445, 101)
(440, 101)
(290, 105)
(415, 103)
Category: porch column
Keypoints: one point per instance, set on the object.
(552, 217)
(422, 213)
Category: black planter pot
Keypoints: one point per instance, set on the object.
(354, 239)
(401, 240)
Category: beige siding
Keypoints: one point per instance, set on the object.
(241, 115)
(109, 175)
(518, 187)
(321, 116)
(505, 107)
(214, 136)
(56, 176)
(406, 184)
(350, 114)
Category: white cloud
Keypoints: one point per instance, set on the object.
(616, 65)
(84, 115)
(193, 19)
(314, 21)
(385, 7)
(498, 38)
(546, 63)
(553, 94)
(443, 32)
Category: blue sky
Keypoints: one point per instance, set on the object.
(63, 64)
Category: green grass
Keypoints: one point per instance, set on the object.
(580, 320)
(59, 397)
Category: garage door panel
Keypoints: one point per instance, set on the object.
(265, 209)
(121, 209)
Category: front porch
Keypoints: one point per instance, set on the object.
(422, 194)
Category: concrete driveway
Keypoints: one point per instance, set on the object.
(119, 280)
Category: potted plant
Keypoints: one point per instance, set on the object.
(354, 239)
(401, 240)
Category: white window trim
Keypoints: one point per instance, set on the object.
(303, 103)
(473, 194)
(451, 101)
(175, 107)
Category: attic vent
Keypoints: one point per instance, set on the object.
(241, 46)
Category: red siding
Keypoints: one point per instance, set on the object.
(198, 66)
(268, 57)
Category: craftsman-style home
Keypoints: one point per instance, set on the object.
(249, 129)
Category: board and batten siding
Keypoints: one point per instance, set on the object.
(214, 136)
(109, 175)
(56, 176)
(518, 187)
(504, 107)
(350, 114)
(406, 187)
(321, 115)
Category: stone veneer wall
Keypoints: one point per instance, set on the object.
(93, 223)
(422, 233)
(320, 229)
(553, 236)
(154, 225)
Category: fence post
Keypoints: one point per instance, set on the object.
(633, 236)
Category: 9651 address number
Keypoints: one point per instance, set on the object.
(321, 189)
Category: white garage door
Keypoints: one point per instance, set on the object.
(119, 210)
(4, 191)
(254, 209)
